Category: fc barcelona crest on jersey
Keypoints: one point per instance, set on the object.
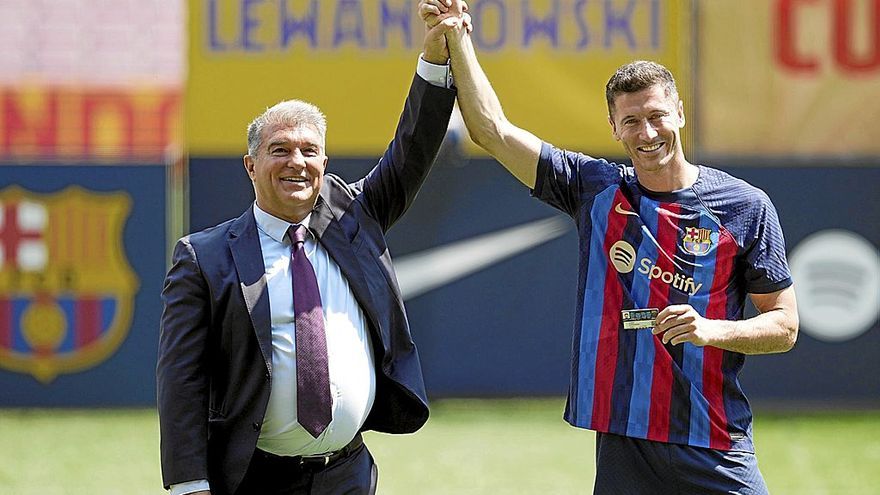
(697, 241)
(66, 287)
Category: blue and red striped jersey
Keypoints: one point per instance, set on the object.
(708, 246)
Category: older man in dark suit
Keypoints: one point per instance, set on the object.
(284, 334)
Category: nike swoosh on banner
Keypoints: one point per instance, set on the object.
(424, 271)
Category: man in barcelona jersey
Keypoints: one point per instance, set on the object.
(668, 252)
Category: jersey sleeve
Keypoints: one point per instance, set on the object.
(766, 265)
(565, 179)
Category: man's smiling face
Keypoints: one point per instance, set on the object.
(288, 170)
(648, 124)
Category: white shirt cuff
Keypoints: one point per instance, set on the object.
(437, 75)
(190, 487)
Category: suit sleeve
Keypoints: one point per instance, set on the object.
(182, 380)
(389, 189)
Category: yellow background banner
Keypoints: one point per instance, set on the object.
(548, 60)
(789, 77)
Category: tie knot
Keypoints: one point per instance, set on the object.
(297, 234)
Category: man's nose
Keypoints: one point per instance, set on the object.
(297, 159)
(649, 132)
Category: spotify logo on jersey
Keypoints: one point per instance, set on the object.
(623, 256)
(837, 281)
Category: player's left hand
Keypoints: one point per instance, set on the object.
(681, 323)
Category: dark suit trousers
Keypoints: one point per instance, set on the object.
(268, 474)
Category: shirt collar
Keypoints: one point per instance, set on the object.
(275, 227)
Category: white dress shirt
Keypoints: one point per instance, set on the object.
(349, 349)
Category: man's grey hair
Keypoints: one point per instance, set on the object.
(636, 76)
(291, 113)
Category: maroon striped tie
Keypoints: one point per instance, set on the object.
(313, 404)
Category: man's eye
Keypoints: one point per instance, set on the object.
(279, 151)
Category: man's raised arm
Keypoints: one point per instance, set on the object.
(517, 149)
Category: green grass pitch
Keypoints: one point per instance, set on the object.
(516, 446)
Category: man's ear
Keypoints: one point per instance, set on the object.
(249, 165)
(681, 119)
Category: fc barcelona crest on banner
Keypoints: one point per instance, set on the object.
(66, 288)
(697, 241)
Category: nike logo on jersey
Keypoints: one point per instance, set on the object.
(619, 209)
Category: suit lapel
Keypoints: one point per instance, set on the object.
(244, 243)
(330, 234)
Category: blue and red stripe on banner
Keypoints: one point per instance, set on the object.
(87, 319)
(91, 317)
(5, 324)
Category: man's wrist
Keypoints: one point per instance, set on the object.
(456, 36)
(195, 486)
(435, 59)
(435, 74)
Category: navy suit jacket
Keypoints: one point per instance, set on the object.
(215, 348)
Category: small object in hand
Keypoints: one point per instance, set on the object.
(636, 319)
